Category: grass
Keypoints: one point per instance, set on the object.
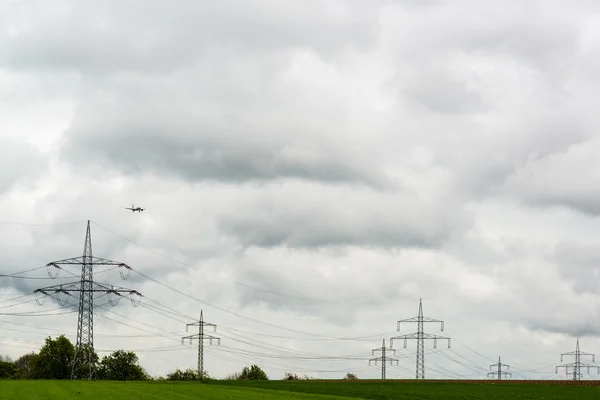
(52, 390)
(282, 390)
(424, 390)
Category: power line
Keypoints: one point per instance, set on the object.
(384, 358)
(201, 337)
(420, 336)
(499, 373)
(577, 365)
(42, 225)
(86, 288)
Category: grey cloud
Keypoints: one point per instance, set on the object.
(437, 92)
(342, 218)
(565, 179)
(580, 265)
(19, 162)
(112, 36)
(211, 156)
(543, 39)
(493, 160)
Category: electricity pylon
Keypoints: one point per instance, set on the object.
(85, 288)
(576, 366)
(201, 336)
(384, 358)
(499, 373)
(421, 336)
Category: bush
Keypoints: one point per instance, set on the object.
(350, 377)
(254, 373)
(290, 376)
(187, 375)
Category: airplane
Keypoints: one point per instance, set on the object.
(134, 209)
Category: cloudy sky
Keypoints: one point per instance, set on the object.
(310, 170)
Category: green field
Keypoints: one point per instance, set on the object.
(266, 390)
(52, 390)
(419, 390)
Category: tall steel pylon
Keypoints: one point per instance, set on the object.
(576, 366)
(384, 358)
(201, 336)
(421, 336)
(499, 373)
(86, 288)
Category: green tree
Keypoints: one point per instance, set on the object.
(187, 375)
(7, 369)
(26, 366)
(254, 373)
(84, 359)
(350, 377)
(55, 359)
(121, 366)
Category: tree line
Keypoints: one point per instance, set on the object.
(59, 359)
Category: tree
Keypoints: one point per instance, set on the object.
(81, 367)
(6, 358)
(290, 376)
(233, 376)
(187, 375)
(254, 373)
(55, 359)
(7, 369)
(350, 377)
(121, 366)
(26, 366)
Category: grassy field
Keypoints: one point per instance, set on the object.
(419, 390)
(66, 390)
(300, 390)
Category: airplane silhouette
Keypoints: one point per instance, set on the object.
(134, 209)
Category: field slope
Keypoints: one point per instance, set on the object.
(67, 390)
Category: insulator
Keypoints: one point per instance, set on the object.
(113, 299)
(125, 271)
(62, 299)
(135, 302)
(40, 297)
(53, 268)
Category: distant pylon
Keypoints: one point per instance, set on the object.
(201, 336)
(499, 373)
(421, 336)
(576, 366)
(384, 358)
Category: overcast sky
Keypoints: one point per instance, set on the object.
(310, 170)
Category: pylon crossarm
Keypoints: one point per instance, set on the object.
(91, 260)
(409, 336)
(211, 338)
(431, 336)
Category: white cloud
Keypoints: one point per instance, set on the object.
(345, 160)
